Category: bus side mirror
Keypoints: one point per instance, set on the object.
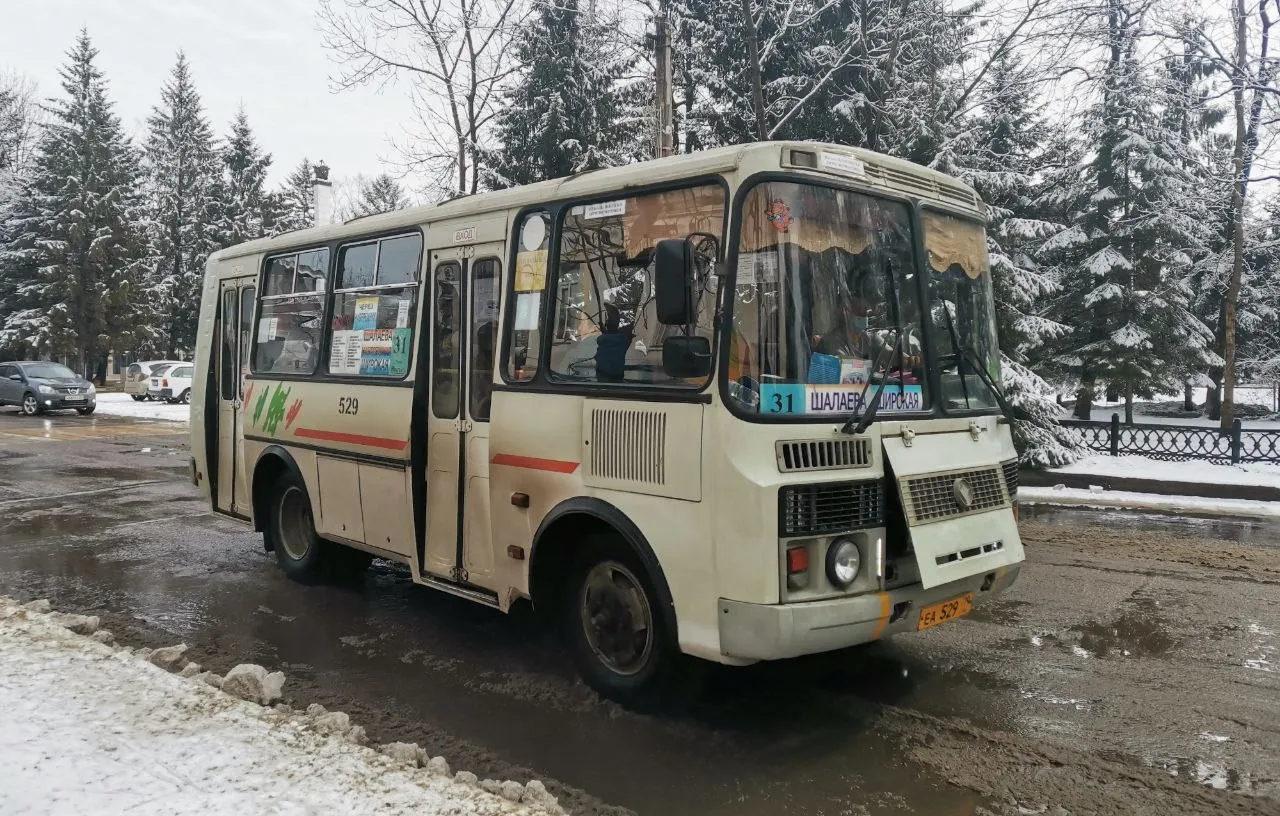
(673, 281)
(686, 358)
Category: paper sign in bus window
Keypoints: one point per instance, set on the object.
(527, 311)
(531, 271)
(366, 313)
(817, 400)
(344, 352)
(402, 313)
(375, 352)
(401, 343)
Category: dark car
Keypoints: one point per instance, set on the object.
(37, 387)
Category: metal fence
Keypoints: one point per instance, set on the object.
(1178, 443)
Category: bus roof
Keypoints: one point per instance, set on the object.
(892, 172)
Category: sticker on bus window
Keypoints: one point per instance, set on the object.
(527, 311)
(366, 313)
(531, 271)
(401, 342)
(605, 209)
(375, 352)
(402, 313)
(817, 400)
(267, 328)
(344, 353)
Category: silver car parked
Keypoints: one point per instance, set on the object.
(36, 387)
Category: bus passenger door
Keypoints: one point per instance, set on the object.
(234, 326)
(464, 334)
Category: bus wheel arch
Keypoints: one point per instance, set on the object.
(593, 570)
(271, 465)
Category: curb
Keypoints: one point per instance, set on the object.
(1159, 487)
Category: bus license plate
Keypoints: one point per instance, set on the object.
(945, 611)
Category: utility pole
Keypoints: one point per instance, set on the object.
(663, 144)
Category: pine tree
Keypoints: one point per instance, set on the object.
(383, 194)
(1127, 257)
(73, 251)
(184, 188)
(247, 205)
(562, 115)
(1008, 153)
(294, 206)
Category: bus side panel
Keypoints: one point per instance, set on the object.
(202, 431)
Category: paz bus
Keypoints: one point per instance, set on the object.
(738, 405)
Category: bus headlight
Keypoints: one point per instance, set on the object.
(843, 562)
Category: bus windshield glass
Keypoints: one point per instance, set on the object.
(962, 309)
(826, 305)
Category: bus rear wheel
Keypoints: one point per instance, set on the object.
(300, 551)
(618, 638)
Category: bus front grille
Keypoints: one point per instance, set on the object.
(1010, 469)
(823, 454)
(834, 507)
(934, 498)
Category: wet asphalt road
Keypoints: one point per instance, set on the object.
(1135, 667)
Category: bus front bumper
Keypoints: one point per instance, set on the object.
(751, 631)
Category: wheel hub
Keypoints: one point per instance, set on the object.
(295, 523)
(616, 618)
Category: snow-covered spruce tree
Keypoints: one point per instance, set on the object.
(1126, 259)
(383, 194)
(561, 115)
(73, 251)
(294, 205)
(247, 205)
(1010, 155)
(184, 189)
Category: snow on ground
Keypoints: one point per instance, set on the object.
(1142, 467)
(1108, 499)
(91, 729)
(124, 405)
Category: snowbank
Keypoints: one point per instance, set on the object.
(1142, 467)
(1112, 499)
(91, 728)
(124, 405)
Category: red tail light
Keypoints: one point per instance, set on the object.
(164, 383)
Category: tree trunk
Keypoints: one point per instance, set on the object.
(753, 62)
(1084, 398)
(1128, 405)
(1188, 398)
(1237, 217)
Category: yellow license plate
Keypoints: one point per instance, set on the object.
(945, 611)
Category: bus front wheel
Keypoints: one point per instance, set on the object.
(616, 632)
(301, 553)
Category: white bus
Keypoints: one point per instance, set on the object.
(739, 405)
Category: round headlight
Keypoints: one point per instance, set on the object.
(843, 562)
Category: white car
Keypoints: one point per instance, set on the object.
(172, 383)
(137, 377)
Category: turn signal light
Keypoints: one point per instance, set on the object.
(798, 560)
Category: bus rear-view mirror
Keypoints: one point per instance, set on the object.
(673, 281)
(686, 358)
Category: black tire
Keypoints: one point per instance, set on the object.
(617, 635)
(185, 399)
(86, 410)
(138, 397)
(300, 551)
(30, 406)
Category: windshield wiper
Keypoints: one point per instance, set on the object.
(1001, 400)
(869, 412)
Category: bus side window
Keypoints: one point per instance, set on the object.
(529, 287)
(484, 336)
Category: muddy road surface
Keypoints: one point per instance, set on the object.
(1134, 668)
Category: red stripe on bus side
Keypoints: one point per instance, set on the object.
(534, 463)
(352, 439)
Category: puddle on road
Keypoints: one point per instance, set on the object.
(1139, 631)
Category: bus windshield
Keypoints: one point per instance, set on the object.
(962, 309)
(826, 304)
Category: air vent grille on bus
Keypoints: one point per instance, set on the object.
(1010, 469)
(629, 445)
(820, 509)
(823, 454)
(933, 498)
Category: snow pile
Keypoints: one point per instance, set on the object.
(1142, 467)
(113, 404)
(95, 729)
(1119, 499)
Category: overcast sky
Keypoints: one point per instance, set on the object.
(265, 54)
